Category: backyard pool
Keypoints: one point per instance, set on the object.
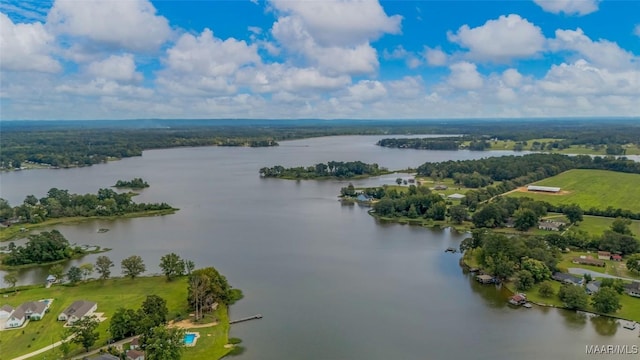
(190, 339)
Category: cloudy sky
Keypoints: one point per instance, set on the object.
(124, 59)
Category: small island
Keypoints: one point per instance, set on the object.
(331, 170)
(136, 183)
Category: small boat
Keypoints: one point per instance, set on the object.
(629, 325)
(451, 250)
(527, 305)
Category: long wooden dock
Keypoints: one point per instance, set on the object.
(257, 316)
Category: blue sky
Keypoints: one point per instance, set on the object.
(131, 59)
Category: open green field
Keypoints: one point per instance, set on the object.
(110, 295)
(591, 189)
(630, 149)
(596, 225)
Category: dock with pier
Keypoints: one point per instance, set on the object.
(254, 317)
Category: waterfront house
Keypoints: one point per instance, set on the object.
(616, 257)
(593, 287)
(604, 255)
(485, 279)
(567, 278)
(33, 310)
(633, 289)
(588, 261)
(5, 311)
(363, 198)
(518, 299)
(16, 319)
(77, 311)
(135, 355)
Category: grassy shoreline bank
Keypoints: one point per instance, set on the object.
(16, 231)
(630, 310)
(110, 295)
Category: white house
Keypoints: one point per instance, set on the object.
(77, 311)
(5, 311)
(16, 319)
(33, 310)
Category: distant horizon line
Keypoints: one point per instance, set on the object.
(340, 119)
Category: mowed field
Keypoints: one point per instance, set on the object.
(591, 189)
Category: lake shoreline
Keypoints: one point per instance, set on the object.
(15, 231)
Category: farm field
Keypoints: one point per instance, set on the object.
(598, 189)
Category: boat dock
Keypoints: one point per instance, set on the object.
(257, 316)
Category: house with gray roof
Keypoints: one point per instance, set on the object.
(77, 311)
(633, 289)
(593, 287)
(33, 310)
(5, 311)
(567, 278)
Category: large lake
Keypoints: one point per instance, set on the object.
(330, 281)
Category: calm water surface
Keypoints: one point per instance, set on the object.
(330, 281)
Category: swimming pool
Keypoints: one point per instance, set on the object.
(190, 339)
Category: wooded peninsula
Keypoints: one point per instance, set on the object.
(60, 206)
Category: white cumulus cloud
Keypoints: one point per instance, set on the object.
(464, 75)
(601, 52)
(26, 47)
(131, 25)
(569, 7)
(500, 40)
(119, 68)
(435, 56)
(341, 22)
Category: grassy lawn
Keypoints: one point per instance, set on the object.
(110, 295)
(210, 344)
(630, 305)
(591, 188)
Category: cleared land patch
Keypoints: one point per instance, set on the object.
(598, 189)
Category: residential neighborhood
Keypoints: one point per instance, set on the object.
(12, 318)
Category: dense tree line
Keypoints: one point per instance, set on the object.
(332, 169)
(67, 143)
(48, 246)
(416, 202)
(503, 256)
(135, 183)
(421, 143)
(60, 203)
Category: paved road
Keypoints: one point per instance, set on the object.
(40, 351)
(79, 357)
(93, 352)
(595, 274)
